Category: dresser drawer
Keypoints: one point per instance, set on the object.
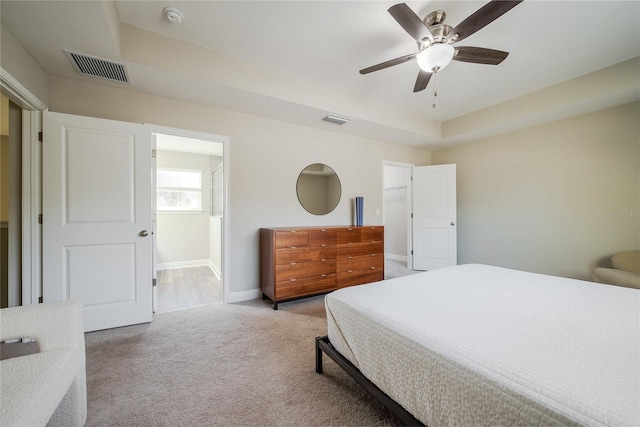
(359, 277)
(299, 270)
(355, 249)
(311, 285)
(349, 235)
(322, 237)
(372, 234)
(292, 238)
(304, 253)
(372, 262)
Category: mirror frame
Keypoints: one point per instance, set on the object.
(318, 169)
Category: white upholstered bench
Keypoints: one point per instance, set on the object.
(48, 387)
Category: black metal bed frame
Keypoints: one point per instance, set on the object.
(324, 345)
(275, 303)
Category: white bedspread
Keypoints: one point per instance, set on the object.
(481, 345)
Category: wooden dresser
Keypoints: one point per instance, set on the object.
(305, 261)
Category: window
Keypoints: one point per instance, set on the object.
(179, 190)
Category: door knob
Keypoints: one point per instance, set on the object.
(453, 223)
(143, 233)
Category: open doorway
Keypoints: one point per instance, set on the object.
(10, 203)
(397, 202)
(188, 229)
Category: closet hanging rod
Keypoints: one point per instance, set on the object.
(399, 187)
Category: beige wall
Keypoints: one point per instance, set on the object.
(17, 62)
(266, 157)
(558, 198)
(4, 115)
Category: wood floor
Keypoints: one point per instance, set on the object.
(393, 269)
(180, 288)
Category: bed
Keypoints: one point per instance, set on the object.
(482, 345)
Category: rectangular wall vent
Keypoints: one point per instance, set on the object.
(332, 118)
(98, 67)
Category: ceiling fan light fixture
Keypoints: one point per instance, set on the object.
(435, 57)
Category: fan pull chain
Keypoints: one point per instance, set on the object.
(435, 88)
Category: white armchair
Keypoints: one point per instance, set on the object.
(48, 387)
(625, 271)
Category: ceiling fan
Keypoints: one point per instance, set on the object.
(435, 39)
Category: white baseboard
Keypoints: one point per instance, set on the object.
(184, 264)
(244, 296)
(216, 270)
(395, 257)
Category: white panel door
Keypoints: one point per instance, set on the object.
(434, 217)
(97, 211)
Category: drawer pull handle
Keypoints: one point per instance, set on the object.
(349, 257)
(350, 243)
(293, 247)
(293, 263)
(323, 245)
(293, 231)
(323, 230)
(373, 268)
(293, 280)
(323, 260)
(373, 254)
(350, 229)
(349, 271)
(323, 275)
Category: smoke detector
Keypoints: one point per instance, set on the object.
(173, 15)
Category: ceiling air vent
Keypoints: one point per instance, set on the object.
(98, 67)
(333, 118)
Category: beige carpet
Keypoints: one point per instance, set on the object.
(223, 365)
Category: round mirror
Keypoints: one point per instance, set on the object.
(318, 189)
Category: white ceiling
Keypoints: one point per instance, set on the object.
(188, 145)
(299, 60)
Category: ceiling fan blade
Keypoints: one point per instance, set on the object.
(410, 22)
(388, 64)
(422, 81)
(479, 55)
(482, 17)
